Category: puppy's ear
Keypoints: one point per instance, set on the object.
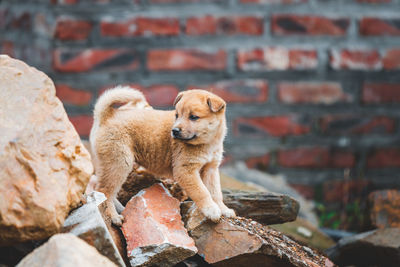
(178, 97)
(216, 103)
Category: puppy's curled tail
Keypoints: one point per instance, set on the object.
(118, 95)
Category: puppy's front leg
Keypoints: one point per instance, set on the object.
(188, 177)
(211, 179)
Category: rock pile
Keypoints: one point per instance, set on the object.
(45, 169)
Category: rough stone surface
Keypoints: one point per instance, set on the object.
(385, 208)
(44, 168)
(154, 231)
(87, 223)
(263, 207)
(65, 250)
(375, 248)
(243, 242)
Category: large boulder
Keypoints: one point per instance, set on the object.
(154, 231)
(65, 250)
(243, 242)
(44, 168)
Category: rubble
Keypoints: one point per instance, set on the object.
(263, 207)
(65, 250)
(243, 242)
(385, 208)
(87, 223)
(154, 231)
(44, 168)
(375, 248)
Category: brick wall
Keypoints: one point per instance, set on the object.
(313, 86)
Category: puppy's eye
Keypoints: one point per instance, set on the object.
(193, 117)
(176, 115)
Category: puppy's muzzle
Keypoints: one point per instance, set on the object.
(176, 132)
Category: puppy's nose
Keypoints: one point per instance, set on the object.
(176, 132)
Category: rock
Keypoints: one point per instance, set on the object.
(87, 223)
(271, 183)
(385, 208)
(375, 248)
(304, 232)
(65, 250)
(154, 231)
(44, 168)
(263, 207)
(243, 242)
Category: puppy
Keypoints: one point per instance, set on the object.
(185, 144)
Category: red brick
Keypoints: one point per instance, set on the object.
(312, 92)
(307, 191)
(94, 59)
(260, 162)
(356, 124)
(22, 21)
(7, 48)
(270, 125)
(371, 26)
(339, 191)
(276, 58)
(391, 59)
(72, 30)
(355, 59)
(238, 91)
(375, 93)
(383, 158)
(315, 157)
(82, 124)
(224, 25)
(273, 1)
(141, 27)
(72, 96)
(283, 24)
(185, 60)
(72, 2)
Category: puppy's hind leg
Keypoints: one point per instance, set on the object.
(114, 168)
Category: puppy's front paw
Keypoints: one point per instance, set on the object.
(227, 212)
(212, 212)
(117, 220)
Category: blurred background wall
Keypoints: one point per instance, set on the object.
(313, 87)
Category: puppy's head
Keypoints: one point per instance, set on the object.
(199, 118)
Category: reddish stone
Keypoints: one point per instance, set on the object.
(371, 26)
(355, 59)
(185, 60)
(356, 124)
(94, 59)
(276, 58)
(73, 96)
(270, 125)
(141, 27)
(391, 59)
(385, 208)
(383, 158)
(82, 124)
(312, 92)
(212, 25)
(72, 30)
(153, 229)
(308, 25)
(238, 91)
(273, 1)
(260, 162)
(374, 93)
(339, 191)
(315, 157)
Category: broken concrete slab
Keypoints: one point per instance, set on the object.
(154, 231)
(87, 223)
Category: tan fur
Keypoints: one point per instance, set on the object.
(136, 135)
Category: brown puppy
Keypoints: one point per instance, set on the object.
(184, 144)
